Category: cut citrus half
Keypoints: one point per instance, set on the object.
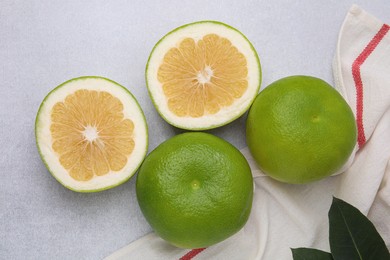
(203, 75)
(91, 133)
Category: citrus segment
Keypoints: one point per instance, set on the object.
(203, 75)
(91, 133)
(300, 129)
(78, 127)
(212, 74)
(195, 190)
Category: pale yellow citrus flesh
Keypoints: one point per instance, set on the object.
(90, 134)
(201, 77)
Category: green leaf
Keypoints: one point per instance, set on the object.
(310, 254)
(352, 235)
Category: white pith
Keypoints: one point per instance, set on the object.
(131, 111)
(205, 75)
(197, 31)
(90, 133)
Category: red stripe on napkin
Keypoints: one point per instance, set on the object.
(358, 79)
(192, 254)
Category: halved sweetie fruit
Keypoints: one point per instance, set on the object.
(91, 134)
(203, 75)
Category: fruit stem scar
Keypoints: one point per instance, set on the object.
(315, 118)
(195, 184)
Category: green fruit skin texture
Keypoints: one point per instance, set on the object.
(195, 201)
(287, 139)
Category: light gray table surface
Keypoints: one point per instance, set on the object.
(44, 43)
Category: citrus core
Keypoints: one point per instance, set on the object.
(195, 190)
(300, 129)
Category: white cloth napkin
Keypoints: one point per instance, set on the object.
(287, 216)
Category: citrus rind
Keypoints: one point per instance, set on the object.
(195, 190)
(300, 130)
